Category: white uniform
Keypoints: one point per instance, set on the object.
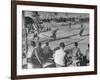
(59, 57)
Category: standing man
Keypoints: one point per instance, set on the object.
(70, 26)
(59, 56)
(87, 52)
(31, 48)
(54, 34)
(87, 56)
(81, 31)
(36, 33)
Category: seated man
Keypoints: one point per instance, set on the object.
(76, 54)
(37, 56)
(47, 51)
(85, 60)
(39, 53)
(59, 56)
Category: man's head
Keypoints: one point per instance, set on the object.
(88, 46)
(76, 44)
(62, 45)
(33, 43)
(39, 44)
(47, 43)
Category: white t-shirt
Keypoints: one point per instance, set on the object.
(59, 57)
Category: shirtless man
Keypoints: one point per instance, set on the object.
(76, 54)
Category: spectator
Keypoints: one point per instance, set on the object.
(39, 55)
(86, 56)
(76, 50)
(47, 51)
(29, 55)
(76, 54)
(59, 56)
(54, 32)
(81, 30)
(87, 53)
(84, 59)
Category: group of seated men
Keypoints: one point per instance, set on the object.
(38, 56)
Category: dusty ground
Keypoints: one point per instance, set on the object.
(66, 35)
